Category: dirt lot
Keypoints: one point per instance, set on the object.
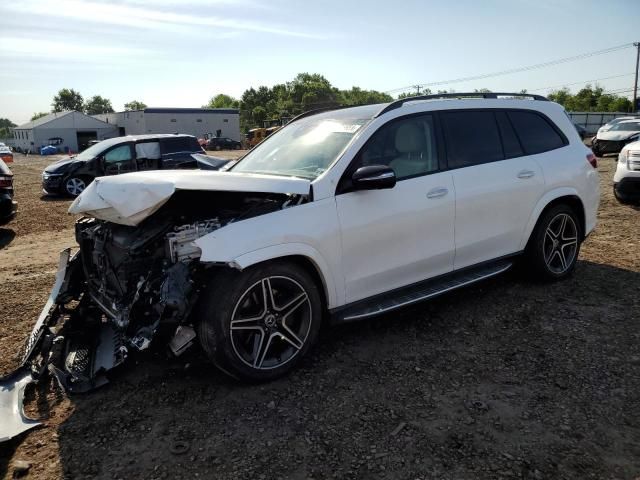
(506, 379)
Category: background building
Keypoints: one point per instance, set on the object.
(221, 122)
(67, 130)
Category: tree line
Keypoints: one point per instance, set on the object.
(310, 91)
(69, 99)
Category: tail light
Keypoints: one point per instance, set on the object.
(6, 158)
(592, 159)
(5, 181)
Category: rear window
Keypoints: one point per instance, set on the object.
(536, 134)
(472, 138)
(179, 144)
(510, 142)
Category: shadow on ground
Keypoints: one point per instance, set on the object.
(505, 379)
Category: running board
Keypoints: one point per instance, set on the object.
(402, 297)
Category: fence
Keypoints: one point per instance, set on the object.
(592, 121)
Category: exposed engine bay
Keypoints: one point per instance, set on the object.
(126, 288)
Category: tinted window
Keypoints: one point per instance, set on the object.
(472, 138)
(510, 142)
(179, 144)
(535, 132)
(408, 146)
(118, 154)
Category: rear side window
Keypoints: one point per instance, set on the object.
(535, 132)
(472, 138)
(179, 144)
(510, 142)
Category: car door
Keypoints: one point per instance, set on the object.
(497, 185)
(119, 159)
(398, 236)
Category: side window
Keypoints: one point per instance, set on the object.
(148, 150)
(118, 154)
(535, 132)
(472, 138)
(510, 142)
(179, 144)
(407, 145)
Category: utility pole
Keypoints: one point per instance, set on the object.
(635, 84)
(417, 87)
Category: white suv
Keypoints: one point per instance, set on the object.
(341, 215)
(626, 180)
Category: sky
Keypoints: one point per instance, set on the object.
(181, 53)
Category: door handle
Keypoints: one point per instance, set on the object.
(437, 192)
(526, 174)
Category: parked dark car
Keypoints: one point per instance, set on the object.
(223, 143)
(132, 153)
(8, 207)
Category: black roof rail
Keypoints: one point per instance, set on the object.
(401, 102)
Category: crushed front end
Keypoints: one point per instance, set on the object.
(126, 287)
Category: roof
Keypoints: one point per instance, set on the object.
(42, 120)
(186, 110)
(136, 138)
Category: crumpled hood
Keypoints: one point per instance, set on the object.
(615, 135)
(130, 198)
(61, 165)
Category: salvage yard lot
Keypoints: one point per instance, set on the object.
(506, 379)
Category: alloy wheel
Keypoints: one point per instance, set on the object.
(75, 186)
(560, 244)
(270, 322)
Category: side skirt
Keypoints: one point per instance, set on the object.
(418, 292)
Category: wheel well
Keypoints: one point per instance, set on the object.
(576, 205)
(306, 264)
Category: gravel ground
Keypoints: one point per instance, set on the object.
(506, 379)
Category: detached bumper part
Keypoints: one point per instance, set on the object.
(13, 421)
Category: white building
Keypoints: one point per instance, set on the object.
(67, 130)
(221, 122)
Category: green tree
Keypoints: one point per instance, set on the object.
(97, 104)
(38, 115)
(5, 127)
(357, 96)
(259, 115)
(590, 99)
(222, 101)
(67, 99)
(135, 105)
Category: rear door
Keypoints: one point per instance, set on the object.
(497, 185)
(176, 152)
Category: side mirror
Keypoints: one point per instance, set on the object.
(373, 177)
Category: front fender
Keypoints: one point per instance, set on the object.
(309, 230)
(545, 200)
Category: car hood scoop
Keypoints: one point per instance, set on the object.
(130, 198)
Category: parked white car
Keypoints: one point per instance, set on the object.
(339, 216)
(626, 180)
(616, 137)
(607, 126)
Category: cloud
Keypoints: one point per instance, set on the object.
(148, 18)
(20, 47)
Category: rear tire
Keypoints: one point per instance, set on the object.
(258, 324)
(554, 246)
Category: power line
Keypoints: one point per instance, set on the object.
(519, 69)
(579, 83)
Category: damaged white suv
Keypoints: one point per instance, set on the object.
(339, 216)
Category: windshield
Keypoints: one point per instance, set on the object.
(308, 147)
(95, 150)
(627, 127)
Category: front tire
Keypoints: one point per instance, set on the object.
(257, 324)
(554, 246)
(75, 185)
